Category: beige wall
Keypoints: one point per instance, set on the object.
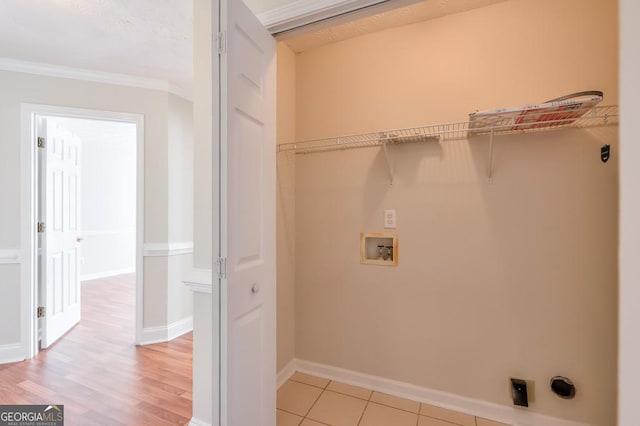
(285, 205)
(180, 167)
(629, 369)
(180, 205)
(515, 277)
(18, 88)
(203, 121)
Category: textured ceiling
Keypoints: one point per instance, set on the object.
(151, 38)
(146, 38)
(418, 12)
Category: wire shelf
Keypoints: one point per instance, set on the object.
(493, 124)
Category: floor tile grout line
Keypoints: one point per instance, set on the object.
(401, 409)
(309, 384)
(368, 401)
(346, 394)
(289, 412)
(363, 411)
(314, 403)
(442, 420)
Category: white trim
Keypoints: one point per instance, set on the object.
(168, 249)
(48, 70)
(197, 422)
(10, 257)
(286, 372)
(178, 328)
(106, 274)
(304, 12)
(28, 203)
(474, 407)
(151, 335)
(199, 280)
(29, 332)
(11, 353)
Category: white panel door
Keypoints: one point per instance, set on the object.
(248, 348)
(59, 243)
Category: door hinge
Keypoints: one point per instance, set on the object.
(221, 42)
(41, 227)
(221, 267)
(40, 312)
(42, 142)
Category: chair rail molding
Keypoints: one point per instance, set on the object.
(168, 249)
(10, 257)
(199, 280)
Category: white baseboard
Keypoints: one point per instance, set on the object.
(197, 422)
(474, 407)
(106, 274)
(286, 372)
(11, 353)
(178, 328)
(151, 335)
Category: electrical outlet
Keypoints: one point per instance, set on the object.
(519, 392)
(390, 219)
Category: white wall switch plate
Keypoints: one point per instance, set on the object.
(390, 219)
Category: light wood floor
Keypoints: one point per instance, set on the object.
(97, 372)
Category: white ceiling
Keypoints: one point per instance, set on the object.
(145, 38)
(153, 39)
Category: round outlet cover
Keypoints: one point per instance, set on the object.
(563, 387)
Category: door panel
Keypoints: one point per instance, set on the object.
(248, 376)
(59, 247)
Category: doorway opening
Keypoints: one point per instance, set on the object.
(83, 214)
(90, 204)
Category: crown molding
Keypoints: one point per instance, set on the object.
(48, 70)
(303, 12)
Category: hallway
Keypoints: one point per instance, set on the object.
(97, 372)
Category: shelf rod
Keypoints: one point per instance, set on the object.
(490, 166)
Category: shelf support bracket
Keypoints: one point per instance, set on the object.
(490, 165)
(386, 156)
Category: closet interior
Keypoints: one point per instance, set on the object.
(439, 232)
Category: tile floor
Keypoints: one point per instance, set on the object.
(306, 400)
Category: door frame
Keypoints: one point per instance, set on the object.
(28, 208)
